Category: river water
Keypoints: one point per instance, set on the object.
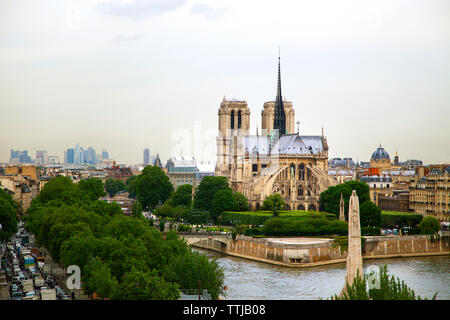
(251, 280)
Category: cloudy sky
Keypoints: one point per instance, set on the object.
(124, 75)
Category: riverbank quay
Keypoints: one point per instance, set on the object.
(301, 252)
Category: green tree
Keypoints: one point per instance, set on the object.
(113, 186)
(390, 288)
(153, 187)
(195, 216)
(166, 210)
(188, 269)
(103, 242)
(370, 214)
(8, 198)
(93, 187)
(183, 196)
(330, 199)
(137, 210)
(223, 200)
(79, 250)
(207, 189)
(139, 285)
(162, 223)
(8, 219)
(274, 203)
(59, 232)
(97, 278)
(429, 225)
(241, 202)
(131, 186)
(63, 189)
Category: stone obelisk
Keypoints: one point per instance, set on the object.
(341, 209)
(354, 255)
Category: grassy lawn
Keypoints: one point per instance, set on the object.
(397, 213)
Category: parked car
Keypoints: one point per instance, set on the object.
(16, 280)
(16, 295)
(14, 287)
(30, 294)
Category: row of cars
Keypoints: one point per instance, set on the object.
(27, 272)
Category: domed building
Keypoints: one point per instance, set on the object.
(380, 159)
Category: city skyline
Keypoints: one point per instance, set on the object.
(127, 75)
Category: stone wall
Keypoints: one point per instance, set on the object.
(304, 255)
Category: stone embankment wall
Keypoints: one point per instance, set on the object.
(325, 252)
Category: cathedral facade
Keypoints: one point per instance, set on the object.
(275, 160)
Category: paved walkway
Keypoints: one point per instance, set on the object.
(299, 240)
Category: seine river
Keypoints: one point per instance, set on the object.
(251, 280)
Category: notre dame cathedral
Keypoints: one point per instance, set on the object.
(277, 160)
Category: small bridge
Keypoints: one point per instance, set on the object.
(217, 241)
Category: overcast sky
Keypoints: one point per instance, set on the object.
(125, 75)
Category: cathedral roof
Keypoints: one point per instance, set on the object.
(287, 144)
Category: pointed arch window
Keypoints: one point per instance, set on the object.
(239, 119)
(301, 172)
(232, 119)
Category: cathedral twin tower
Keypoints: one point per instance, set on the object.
(278, 117)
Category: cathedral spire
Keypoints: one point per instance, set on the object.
(279, 121)
(279, 96)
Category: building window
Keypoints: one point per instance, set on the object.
(232, 119)
(301, 172)
(239, 119)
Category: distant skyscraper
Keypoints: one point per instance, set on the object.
(41, 157)
(20, 156)
(69, 156)
(146, 157)
(90, 156)
(105, 154)
(53, 160)
(14, 156)
(24, 157)
(78, 155)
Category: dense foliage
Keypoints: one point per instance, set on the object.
(195, 216)
(391, 219)
(429, 225)
(389, 288)
(120, 257)
(223, 200)
(304, 227)
(93, 187)
(213, 195)
(370, 214)
(274, 203)
(206, 191)
(153, 187)
(131, 186)
(113, 186)
(187, 270)
(182, 196)
(256, 218)
(9, 209)
(370, 231)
